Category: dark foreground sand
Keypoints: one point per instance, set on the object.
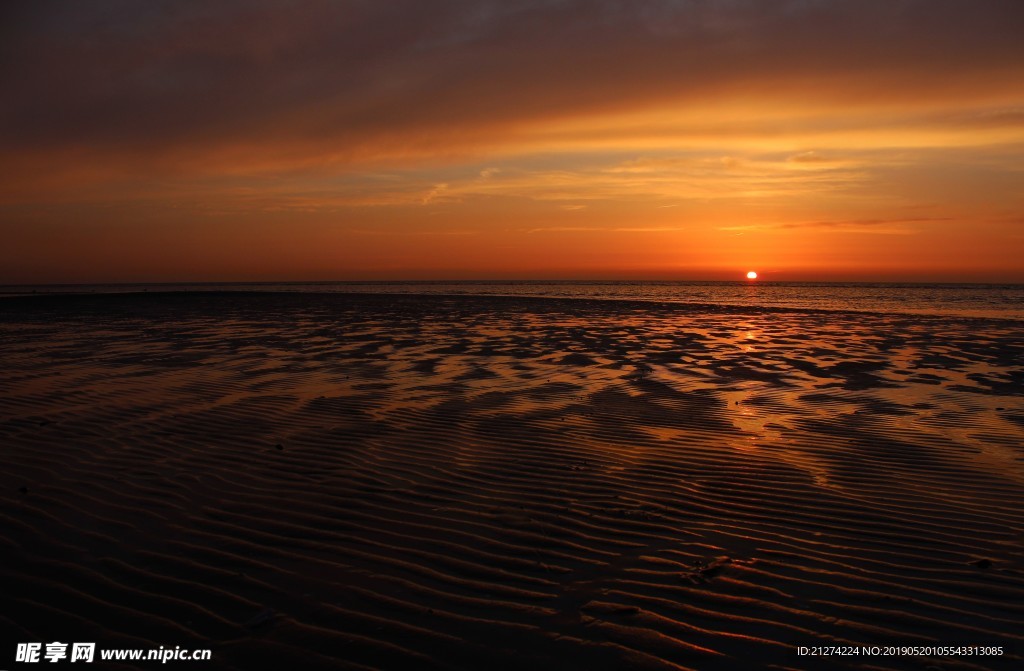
(330, 481)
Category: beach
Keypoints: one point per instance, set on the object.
(341, 481)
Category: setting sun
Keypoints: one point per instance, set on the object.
(751, 275)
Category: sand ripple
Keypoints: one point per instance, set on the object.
(367, 482)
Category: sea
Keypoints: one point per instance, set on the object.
(992, 301)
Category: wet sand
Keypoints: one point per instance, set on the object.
(369, 482)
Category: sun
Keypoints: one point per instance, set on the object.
(751, 275)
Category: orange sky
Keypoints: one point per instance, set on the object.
(806, 139)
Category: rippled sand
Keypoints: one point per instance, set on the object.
(330, 481)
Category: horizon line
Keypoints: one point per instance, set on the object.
(482, 280)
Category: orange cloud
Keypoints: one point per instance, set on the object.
(744, 127)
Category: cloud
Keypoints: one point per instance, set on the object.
(808, 157)
(312, 83)
(652, 180)
(874, 226)
(609, 229)
(862, 222)
(436, 193)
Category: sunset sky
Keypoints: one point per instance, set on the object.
(414, 139)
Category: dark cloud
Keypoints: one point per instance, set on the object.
(349, 78)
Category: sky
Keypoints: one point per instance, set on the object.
(259, 140)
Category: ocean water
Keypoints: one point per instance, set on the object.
(999, 301)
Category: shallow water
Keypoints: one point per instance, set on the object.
(1001, 301)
